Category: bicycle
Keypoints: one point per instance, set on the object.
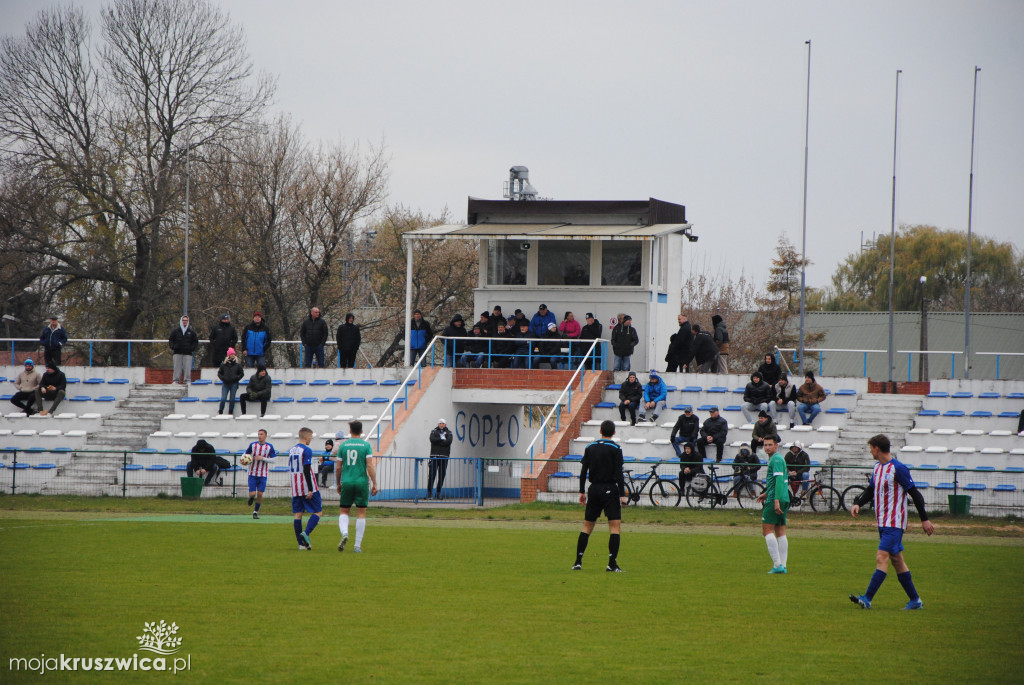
(703, 491)
(663, 493)
(823, 498)
(851, 493)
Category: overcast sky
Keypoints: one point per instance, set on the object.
(699, 103)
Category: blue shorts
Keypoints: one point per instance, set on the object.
(257, 483)
(890, 539)
(312, 505)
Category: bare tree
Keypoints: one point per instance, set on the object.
(109, 128)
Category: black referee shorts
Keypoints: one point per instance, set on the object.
(603, 497)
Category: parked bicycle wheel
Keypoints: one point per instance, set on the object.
(700, 500)
(852, 493)
(826, 499)
(747, 495)
(664, 493)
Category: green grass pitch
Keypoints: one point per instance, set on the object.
(477, 601)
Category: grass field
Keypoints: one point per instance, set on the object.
(487, 597)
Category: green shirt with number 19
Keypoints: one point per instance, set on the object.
(353, 453)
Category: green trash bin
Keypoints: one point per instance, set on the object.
(959, 505)
(191, 487)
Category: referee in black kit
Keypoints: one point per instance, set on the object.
(603, 459)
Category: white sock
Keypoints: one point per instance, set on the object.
(773, 548)
(360, 529)
(343, 524)
(783, 549)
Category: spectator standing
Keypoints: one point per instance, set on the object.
(713, 432)
(223, 336)
(704, 351)
(745, 466)
(591, 330)
(440, 449)
(456, 328)
(680, 349)
(655, 393)
(258, 390)
(757, 397)
(53, 340)
(25, 387)
(570, 328)
(763, 427)
(52, 388)
(349, 339)
(631, 395)
(776, 503)
(230, 373)
(256, 341)
(539, 322)
(492, 323)
(624, 341)
(721, 339)
(183, 342)
(520, 318)
(809, 398)
(313, 334)
(602, 460)
(686, 430)
(420, 335)
(770, 370)
(798, 463)
(784, 400)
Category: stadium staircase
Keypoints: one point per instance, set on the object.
(875, 413)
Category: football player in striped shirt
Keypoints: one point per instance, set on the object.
(262, 453)
(305, 493)
(889, 489)
(776, 505)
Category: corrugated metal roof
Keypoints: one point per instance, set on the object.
(547, 231)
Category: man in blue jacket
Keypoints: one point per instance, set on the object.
(256, 341)
(53, 340)
(655, 393)
(539, 322)
(420, 335)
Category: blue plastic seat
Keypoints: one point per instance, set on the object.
(20, 465)
(105, 398)
(614, 386)
(1005, 487)
(928, 467)
(179, 467)
(625, 459)
(681, 407)
(732, 407)
(203, 381)
(605, 405)
(988, 396)
(641, 476)
(343, 381)
(974, 486)
(938, 394)
(320, 381)
(72, 381)
(670, 477)
(35, 449)
(692, 388)
(954, 413)
(944, 486)
(210, 399)
(148, 450)
(279, 469)
(845, 392)
(561, 474)
(189, 399)
(738, 391)
(984, 468)
(956, 467)
(118, 381)
(1008, 414)
(1015, 395)
(296, 381)
(367, 381)
(962, 395)
(922, 484)
(44, 467)
(573, 457)
(1015, 469)
(670, 388)
(307, 400)
(157, 467)
(330, 400)
(928, 412)
(835, 410)
(354, 400)
(981, 414)
(132, 467)
(173, 450)
(390, 381)
(276, 381)
(379, 400)
(718, 389)
(94, 381)
(283, 400)
(79, 398)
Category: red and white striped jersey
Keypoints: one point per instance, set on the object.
(299, 457)
(891, 481)
(265, 450)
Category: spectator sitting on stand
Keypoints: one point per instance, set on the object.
(763, 427)
(691, 464)
(745, 468)
(326, 463)
(631, 394)
(809, 398)
(52, 388)
(655, 393)
(757, 397)
(784, 400)
(258, 390)
(204, 463)
(798, 463)
(686, 430)
(713, 432)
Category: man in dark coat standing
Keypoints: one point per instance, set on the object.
(53, 340)
(313, 335)
(440, 450)
(592, 330)
(223, 336)
(349, 339)
(183, 342)
(705, 353)
(680, 350)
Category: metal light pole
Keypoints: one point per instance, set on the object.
(970, 213)
(188, 147)
(922, 372)
(892, 235)
(803, 247)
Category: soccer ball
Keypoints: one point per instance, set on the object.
(245, 460)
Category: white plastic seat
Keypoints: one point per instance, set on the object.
(911, 448)
(936, 449)
(75, 434)
(964, 450)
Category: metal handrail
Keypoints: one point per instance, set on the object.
(417, 369)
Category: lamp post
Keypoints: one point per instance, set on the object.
(803, 244)
(922, 372)
(892, 236)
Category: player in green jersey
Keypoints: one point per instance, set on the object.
(776, 504)
(356, 479)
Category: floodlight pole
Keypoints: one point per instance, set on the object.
(188, 147)
(803, 247)
(407, 356)
(970, 214)
(892, 235)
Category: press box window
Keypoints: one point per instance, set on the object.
(563, 262)
(621, 262)
(506, 262)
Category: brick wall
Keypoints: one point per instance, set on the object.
(164, 375)
(537, 379)
(901, 387)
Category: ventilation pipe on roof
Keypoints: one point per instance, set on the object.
(519, 187)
